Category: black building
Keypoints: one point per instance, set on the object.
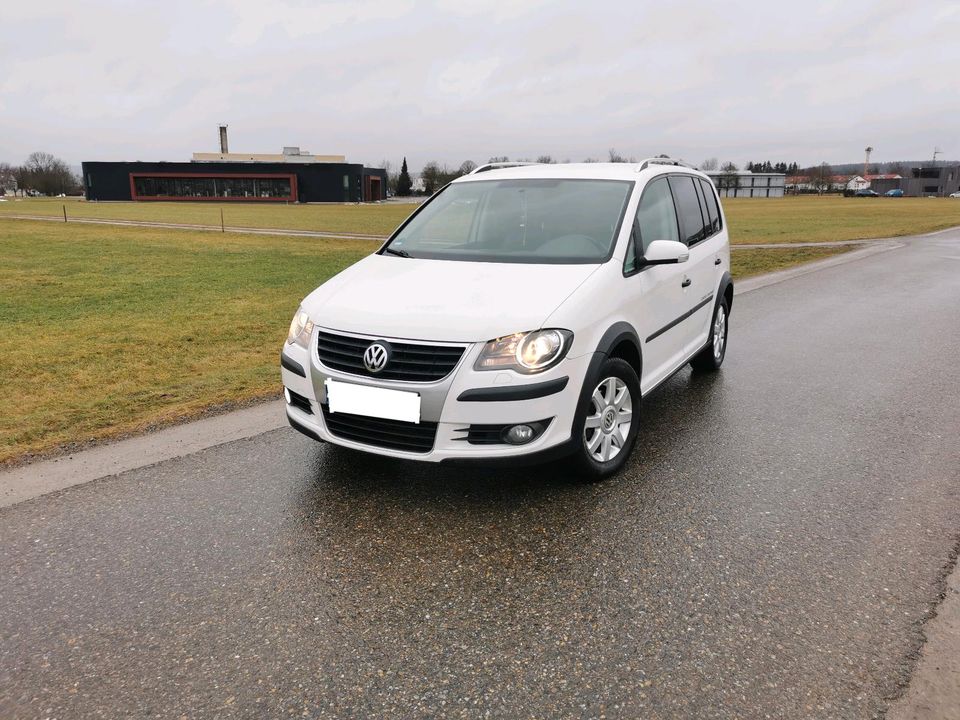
(234, 181)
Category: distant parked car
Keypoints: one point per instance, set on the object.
(955, 195)
(865, 193)
(896, 192)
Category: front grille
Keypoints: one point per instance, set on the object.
(392, 434)
(411, 362)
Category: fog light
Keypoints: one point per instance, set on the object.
(286, 394)
(519, 434)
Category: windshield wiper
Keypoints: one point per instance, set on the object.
(398, 253)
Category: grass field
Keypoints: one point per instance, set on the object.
(109, 330)
(792, 219)
(362, 219)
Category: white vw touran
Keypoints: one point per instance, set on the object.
(520, 314)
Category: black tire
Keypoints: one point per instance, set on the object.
(709, 359)
(615, 373)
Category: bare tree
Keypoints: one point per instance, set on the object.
(498, 158)
(466, 167)
(545, 160)
(822, 178)
(46, 174)
(710, 164)
(730, 180)
(616, 157)
(8, 180)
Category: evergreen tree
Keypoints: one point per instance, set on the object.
(404, 184)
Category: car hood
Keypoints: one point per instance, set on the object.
(443, 300)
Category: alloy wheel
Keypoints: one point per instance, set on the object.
(719, 333)
(608, 422)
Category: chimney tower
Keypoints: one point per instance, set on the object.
(223, 139)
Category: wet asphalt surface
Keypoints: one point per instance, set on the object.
(777, 540)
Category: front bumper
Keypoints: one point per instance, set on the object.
(463, 398)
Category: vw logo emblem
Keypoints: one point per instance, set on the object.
(376, 357)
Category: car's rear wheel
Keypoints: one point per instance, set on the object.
(711, 357)
(609, 424)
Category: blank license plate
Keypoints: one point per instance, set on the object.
(373, 401)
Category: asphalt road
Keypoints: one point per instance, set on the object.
(771, 551)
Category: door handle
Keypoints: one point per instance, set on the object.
(717, 261)
(686, 282)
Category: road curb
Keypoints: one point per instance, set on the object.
(47, 476)
(762, 281)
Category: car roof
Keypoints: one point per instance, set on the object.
(583, 171)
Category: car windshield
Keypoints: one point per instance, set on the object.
(517, 221)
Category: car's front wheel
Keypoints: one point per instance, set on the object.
(610, 422)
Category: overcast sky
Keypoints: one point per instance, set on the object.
(451, 80)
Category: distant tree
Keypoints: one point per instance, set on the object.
(391, 175)
(749, 167)
(590, 160)
(47, 174)
(896, 169)
(432, 176)
(545, 160)
(466, 167)
(616, 157)
(729, 180)
(498, 158)
(404, 183)
(8, 180)
(710, 164)
(821, 178)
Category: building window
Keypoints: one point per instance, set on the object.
(254, 187)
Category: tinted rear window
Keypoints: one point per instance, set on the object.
(688, 207)
(712, 207)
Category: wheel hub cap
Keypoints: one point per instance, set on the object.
(608, 420)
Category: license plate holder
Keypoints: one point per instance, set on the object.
(370, 401)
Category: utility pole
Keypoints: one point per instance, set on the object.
(936, 151)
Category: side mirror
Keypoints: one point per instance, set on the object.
(665, 252)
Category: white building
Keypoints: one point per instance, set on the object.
(744, 183)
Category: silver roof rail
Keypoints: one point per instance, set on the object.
(663, 161)
(500, 166)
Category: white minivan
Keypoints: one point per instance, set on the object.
(520, 314)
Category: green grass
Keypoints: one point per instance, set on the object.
(110, 330)
(363, 219)
(757, 220)
(822, 219)
(755, 261)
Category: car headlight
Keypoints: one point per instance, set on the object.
(526, 352)
(301, 327)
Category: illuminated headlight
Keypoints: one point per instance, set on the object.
(527, 352)
(301, 327)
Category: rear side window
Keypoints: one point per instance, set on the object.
(712, 208)
(656, 217)
(688, 208)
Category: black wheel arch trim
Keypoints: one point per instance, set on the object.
(725, 282)
(529, 391)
